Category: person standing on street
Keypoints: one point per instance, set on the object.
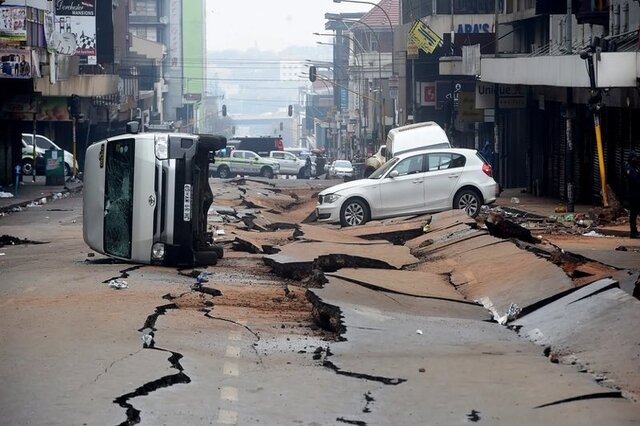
(633, 178)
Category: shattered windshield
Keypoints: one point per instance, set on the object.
(118, 199)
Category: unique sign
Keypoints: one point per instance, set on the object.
(510, 97)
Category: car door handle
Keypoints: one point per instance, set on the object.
(454, 176)
(417, 181)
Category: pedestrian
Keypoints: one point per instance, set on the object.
(24, 67)
(633, 179)
(487, 152)
(320, 162)
(307, 167)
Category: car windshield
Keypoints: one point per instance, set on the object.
(384, 169)
(118, 198)
(343, 163)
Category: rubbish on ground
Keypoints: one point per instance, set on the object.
(118, 284)
(560, 209)
(220, 232)
(515, 200)
(6, 195)
(512, 313)
(147, 339)
(43, 200)
(419, 332)
(594, 234)
(2, 254)
(57, 196)
(426, 228)
(31, 204)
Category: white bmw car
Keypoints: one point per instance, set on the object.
(416, 182)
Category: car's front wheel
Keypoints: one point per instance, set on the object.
(223, 172)
(266, 172)
(354, 212)
(469, 201)
(67, 170)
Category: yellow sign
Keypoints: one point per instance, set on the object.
(424, 37)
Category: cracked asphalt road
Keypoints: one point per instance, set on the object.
(73, 349)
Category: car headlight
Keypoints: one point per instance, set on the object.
(162, 147)
(331, 198)
(157, 252)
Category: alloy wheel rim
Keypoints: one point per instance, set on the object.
(354, 214)
(468, 203)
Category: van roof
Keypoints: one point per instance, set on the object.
(414, 126)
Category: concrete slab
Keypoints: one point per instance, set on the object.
(458, 244)
(602, 250)
(298, 259)
(478, 370)
(597, 326)
(260, 242)
(319, 233)
(411, 283)
(501, 274)
(431, 237)
(404, 228)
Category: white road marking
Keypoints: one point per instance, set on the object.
(231, 369)
(235, 335)
(233, 352)
(227, 417)
(228, 393)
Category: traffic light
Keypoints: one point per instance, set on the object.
(74, 106)
(290, 111)
(224, 110)
(312, 73)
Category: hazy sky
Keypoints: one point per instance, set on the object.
(270, 24)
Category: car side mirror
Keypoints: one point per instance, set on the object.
(393, 174)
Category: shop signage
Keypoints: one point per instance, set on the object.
(13, 23)
(78, 17)
(424, 37)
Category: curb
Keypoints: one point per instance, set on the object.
(48, 196)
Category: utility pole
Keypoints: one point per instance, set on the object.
(569, 116)
(595, 106)
(496, 111)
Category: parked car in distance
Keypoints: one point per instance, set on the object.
(261, 145)
(245, 163)
(341, 169)
(291, 165)
(42, 144)
(415, 182)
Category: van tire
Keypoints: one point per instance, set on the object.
(67, 170)
(205, 258)
(223, 172)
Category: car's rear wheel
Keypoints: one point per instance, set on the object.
(266, 172)
(354, 212)
(27, 167)
(469, 201)
(223, 172)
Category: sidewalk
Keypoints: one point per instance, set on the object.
(30, 191)
(525, 203)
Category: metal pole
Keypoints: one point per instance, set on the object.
(73, 124)
(35, 129)
(569, 152)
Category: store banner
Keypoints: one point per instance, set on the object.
(78, 17)
(15, 63)
(13, 23)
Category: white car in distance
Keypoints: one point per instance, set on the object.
(416, 182)
(341, 169)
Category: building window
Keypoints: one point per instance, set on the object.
(144, 8)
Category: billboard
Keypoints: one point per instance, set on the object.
(13, 23)
(78, 17)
